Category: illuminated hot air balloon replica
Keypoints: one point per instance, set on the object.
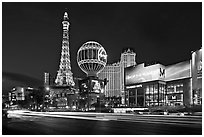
(91, 58)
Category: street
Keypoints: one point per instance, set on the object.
(125, 125)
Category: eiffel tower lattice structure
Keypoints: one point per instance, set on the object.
(64, 74)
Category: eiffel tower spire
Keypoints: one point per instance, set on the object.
(64, 74)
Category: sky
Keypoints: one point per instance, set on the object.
(161, 32)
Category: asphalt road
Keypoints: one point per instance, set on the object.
(41, 125)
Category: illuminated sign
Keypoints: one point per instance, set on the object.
(140, 73)
(173, 97)
(102, 56)
(134, 86)
(84, 85)
(91, 86)
(178, 71)
(97, 86)
(199, 67)
(162, 72)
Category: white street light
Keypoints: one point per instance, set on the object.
(47, 88)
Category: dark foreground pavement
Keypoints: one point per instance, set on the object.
(40, 125)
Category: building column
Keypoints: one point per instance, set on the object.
(136, 97)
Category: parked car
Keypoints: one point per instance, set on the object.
(128, 111)
(160, 112)
(188, 113)
(146, 112)
(142, 112)
(174, 112)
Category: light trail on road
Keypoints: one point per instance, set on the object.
(179, 120)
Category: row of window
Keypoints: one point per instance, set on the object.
(175, 85)
(61, 95)
(156, 95)
(153, 89)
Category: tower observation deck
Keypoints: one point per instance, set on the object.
(64, 74)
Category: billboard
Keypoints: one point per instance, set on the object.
(178, 71)
(97, 86)
(140, 73)
(197, 69)
(91, 86)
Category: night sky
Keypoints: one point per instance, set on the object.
(32, 33)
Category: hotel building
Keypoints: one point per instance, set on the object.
(115, 74)
(196, 67)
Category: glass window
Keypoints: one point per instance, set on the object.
(132, 92)
(151, 98)
(151, 104)
(181, 89)
(160, 97)
(147, 103)
(132, 101)
(182, 97)
(174, 89)
(155, 97)
(169, 86)
(147, 89)
(178, 96)
(139, 92)
(155, 88)
(169, 90)
(151, 89)
(156, 104)
(147, 98)
(169, 97)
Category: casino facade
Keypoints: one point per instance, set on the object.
(159, 85)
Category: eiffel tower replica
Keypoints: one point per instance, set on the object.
(62, 91)
(64, 74)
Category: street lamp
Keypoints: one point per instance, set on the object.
(47, 89)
